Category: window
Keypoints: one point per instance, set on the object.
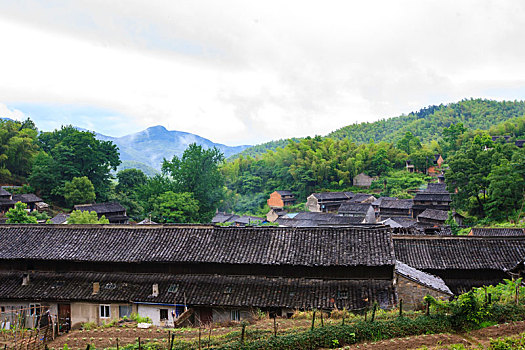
(105, 311)
(228, 290)
(124, 311)
(235, 315)
(173, 288)
(34, 309)
(163, 314)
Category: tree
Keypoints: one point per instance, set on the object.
(171, 207)
(18, 146)
(409, 143)
(86, 217)
(19, 215)
(79, 191)
(129, 180)
(197, 172)
(73, 153)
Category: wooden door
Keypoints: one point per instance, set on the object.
(64, 317)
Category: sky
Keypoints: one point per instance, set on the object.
(246, 72)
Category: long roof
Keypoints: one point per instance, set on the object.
(353, 207)
(101, 208)
(198, 244)
(333, 196)
(209, 290)
(396, 204)
(497, 231)
(434, 214)
(461, 253)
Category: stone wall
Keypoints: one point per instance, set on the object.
(412, 293)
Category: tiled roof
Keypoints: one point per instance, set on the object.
(421, 277)
(466, 252)
(27, 198)
(396, 204)
(198, 244)
(429, 197)
(60, 218)
(433, 214)
(378, 201)
(101, 208)
(4, 192)
(361, 197)
(350, 207)
(285, 193)
(198, 290)
(436, 188)
(333, 196)
(486, 231)
(223, 217)
(246, 219)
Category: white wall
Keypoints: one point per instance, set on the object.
(153, 312)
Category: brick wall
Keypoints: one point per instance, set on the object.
(412, 293)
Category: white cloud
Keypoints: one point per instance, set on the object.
(11, 113)
(244, 72)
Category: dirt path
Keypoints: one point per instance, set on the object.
(440, 341)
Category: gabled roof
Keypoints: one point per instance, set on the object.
(4, 193)
(221, 217)
(101, 208)
(433, 214)
(396, 204)
(285, 193)
(361, 197)
(428, 196)
(27, 198)
(246, 219)
(60, 218)
(435, 187)
(378, 201)
(147, 221)
(312, 215)
(188, 244)
(459, 252)
(357, 208)
(197, 290)
(333, 196)
(422, 278)
(493, 231)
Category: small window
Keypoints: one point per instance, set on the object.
(105, 311)
(34, 309)
(228, 290)
(163, 314)
(235, 315)
(110, 286)
(173, 288)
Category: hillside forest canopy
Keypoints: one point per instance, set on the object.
(486, 177)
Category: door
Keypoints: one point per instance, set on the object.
(64, 317)
(206, 315)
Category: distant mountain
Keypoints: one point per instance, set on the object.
(152, 145)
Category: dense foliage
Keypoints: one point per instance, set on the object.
(86, 217)
(19, 215)
(428, 123)
(18, 146)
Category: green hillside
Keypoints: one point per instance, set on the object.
(428, 123)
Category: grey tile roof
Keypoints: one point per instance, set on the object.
(60, 218)
(433, 214)
(176, 244)
(489, 231)
(285, 193)
(4, 192)
(224, 217)
(436, 188)
(247, 219)
(27, 198)
(101, 208)
(459, 252)
(333, 196)
(197, 290)
(396, 204)
(358, 208)
(361, 197)
(429, 197)
(378, 201)
(421, 277)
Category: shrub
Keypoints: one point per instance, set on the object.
(88, 326)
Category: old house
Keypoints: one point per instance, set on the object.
(113, 211)
(395, 208)
(362, 180)
(462, 262)
(28, 198)
(433, 217)
(281, 199)
(363, 211)
(327, 201)
(6, 200)
(98, 273)
(414, 285)
(435, 196)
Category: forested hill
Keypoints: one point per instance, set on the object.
(428, 123)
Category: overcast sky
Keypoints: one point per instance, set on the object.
(244, 72)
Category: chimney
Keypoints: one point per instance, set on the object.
(155, 290)
(25, 279)
(96, 287)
